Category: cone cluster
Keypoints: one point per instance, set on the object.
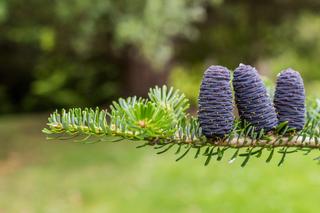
(289, 99)
(254, 104)
(215, 102)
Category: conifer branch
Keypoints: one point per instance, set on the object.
(163, 123)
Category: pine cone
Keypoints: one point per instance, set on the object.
(290, 98)
(253, 102)
(215, 102)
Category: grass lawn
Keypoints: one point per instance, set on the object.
(41, 176)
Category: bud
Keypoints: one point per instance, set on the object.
(254, 104)
(289, 99)
(215, 102)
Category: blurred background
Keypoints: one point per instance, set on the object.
(77, 53)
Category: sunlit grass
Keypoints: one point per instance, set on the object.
(41, 176)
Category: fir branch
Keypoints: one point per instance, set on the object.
(162, 122)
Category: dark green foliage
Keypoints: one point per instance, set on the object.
(215, 102)
(79, 52)
(87, 45)
(254, 105)
(289, 99)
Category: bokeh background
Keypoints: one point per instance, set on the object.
(68, 53)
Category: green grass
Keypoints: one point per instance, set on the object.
(41, 176)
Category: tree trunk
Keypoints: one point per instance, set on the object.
(139, 75)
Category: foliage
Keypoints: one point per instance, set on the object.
(71, 48)
(181, 74)
(162, 122)
(135, 118)
(155, 23)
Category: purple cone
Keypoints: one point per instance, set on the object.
(215, 102)
(253, 102)
(289, 99)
